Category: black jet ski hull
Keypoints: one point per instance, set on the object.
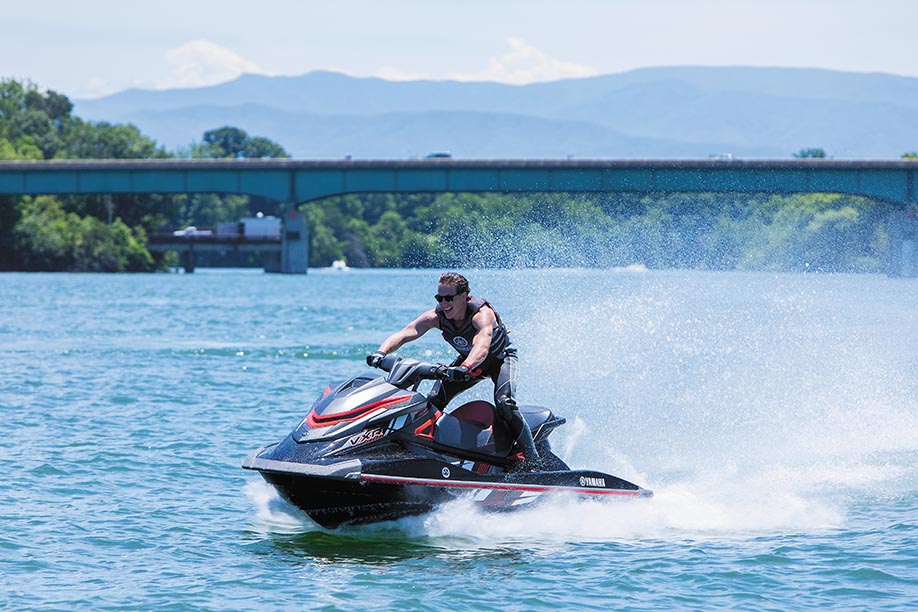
(356, 492)
(332, 502)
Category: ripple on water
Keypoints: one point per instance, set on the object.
(773, 415)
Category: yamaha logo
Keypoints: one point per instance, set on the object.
(460, 342)
(586, 481)
(445, 472)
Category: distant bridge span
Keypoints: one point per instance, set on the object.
(293, 181)
(290, 182)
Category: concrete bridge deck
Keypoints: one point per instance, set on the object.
(294, 181)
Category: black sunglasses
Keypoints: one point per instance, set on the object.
(446, 298)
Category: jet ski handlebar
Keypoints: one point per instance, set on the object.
(403, 372)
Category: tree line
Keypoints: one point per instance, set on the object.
(804, 232)
(829, 232)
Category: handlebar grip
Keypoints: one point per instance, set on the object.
(386, 363)
(438, 371)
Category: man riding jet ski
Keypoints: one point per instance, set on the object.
(376, 448)
(474, 329)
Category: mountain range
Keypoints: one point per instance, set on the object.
(668, 112)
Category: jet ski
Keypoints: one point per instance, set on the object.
(375, 449)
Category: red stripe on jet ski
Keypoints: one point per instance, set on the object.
(314, 420)
(470, 484)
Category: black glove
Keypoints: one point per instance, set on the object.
(458, 374)
(374, 360)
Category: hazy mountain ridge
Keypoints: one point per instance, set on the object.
(658, 112)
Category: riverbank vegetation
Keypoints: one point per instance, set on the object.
(826, 232)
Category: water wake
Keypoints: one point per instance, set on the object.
(752, 405)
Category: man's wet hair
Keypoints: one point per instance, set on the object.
(454, 279)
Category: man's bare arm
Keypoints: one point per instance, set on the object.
(412, 331)
(484, 321)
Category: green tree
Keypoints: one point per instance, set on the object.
(23, 149)
(259, 147)
(49, 238)
(106, 141)
(233, 142)
(388, 236)
(324, 246)
(208, 209)
(42, 117)
(810, 153)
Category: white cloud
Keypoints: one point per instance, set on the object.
(524, 63)
(95, 87)
(202, 62)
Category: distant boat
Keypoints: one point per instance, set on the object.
(191, 232)
(340, 266)
(635, 267)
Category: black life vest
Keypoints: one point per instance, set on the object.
(460, 334)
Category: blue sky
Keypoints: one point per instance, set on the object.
(95, 47)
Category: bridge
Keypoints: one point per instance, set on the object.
(289, 182)
(295, 181)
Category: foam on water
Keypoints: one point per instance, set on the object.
(678, 512)
(273, 514)
(675, 513)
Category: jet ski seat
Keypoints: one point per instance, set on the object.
(471, 426)
(535, 416)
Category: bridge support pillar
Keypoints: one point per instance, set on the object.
(902, 257)
(188, 259)
(294, 244)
